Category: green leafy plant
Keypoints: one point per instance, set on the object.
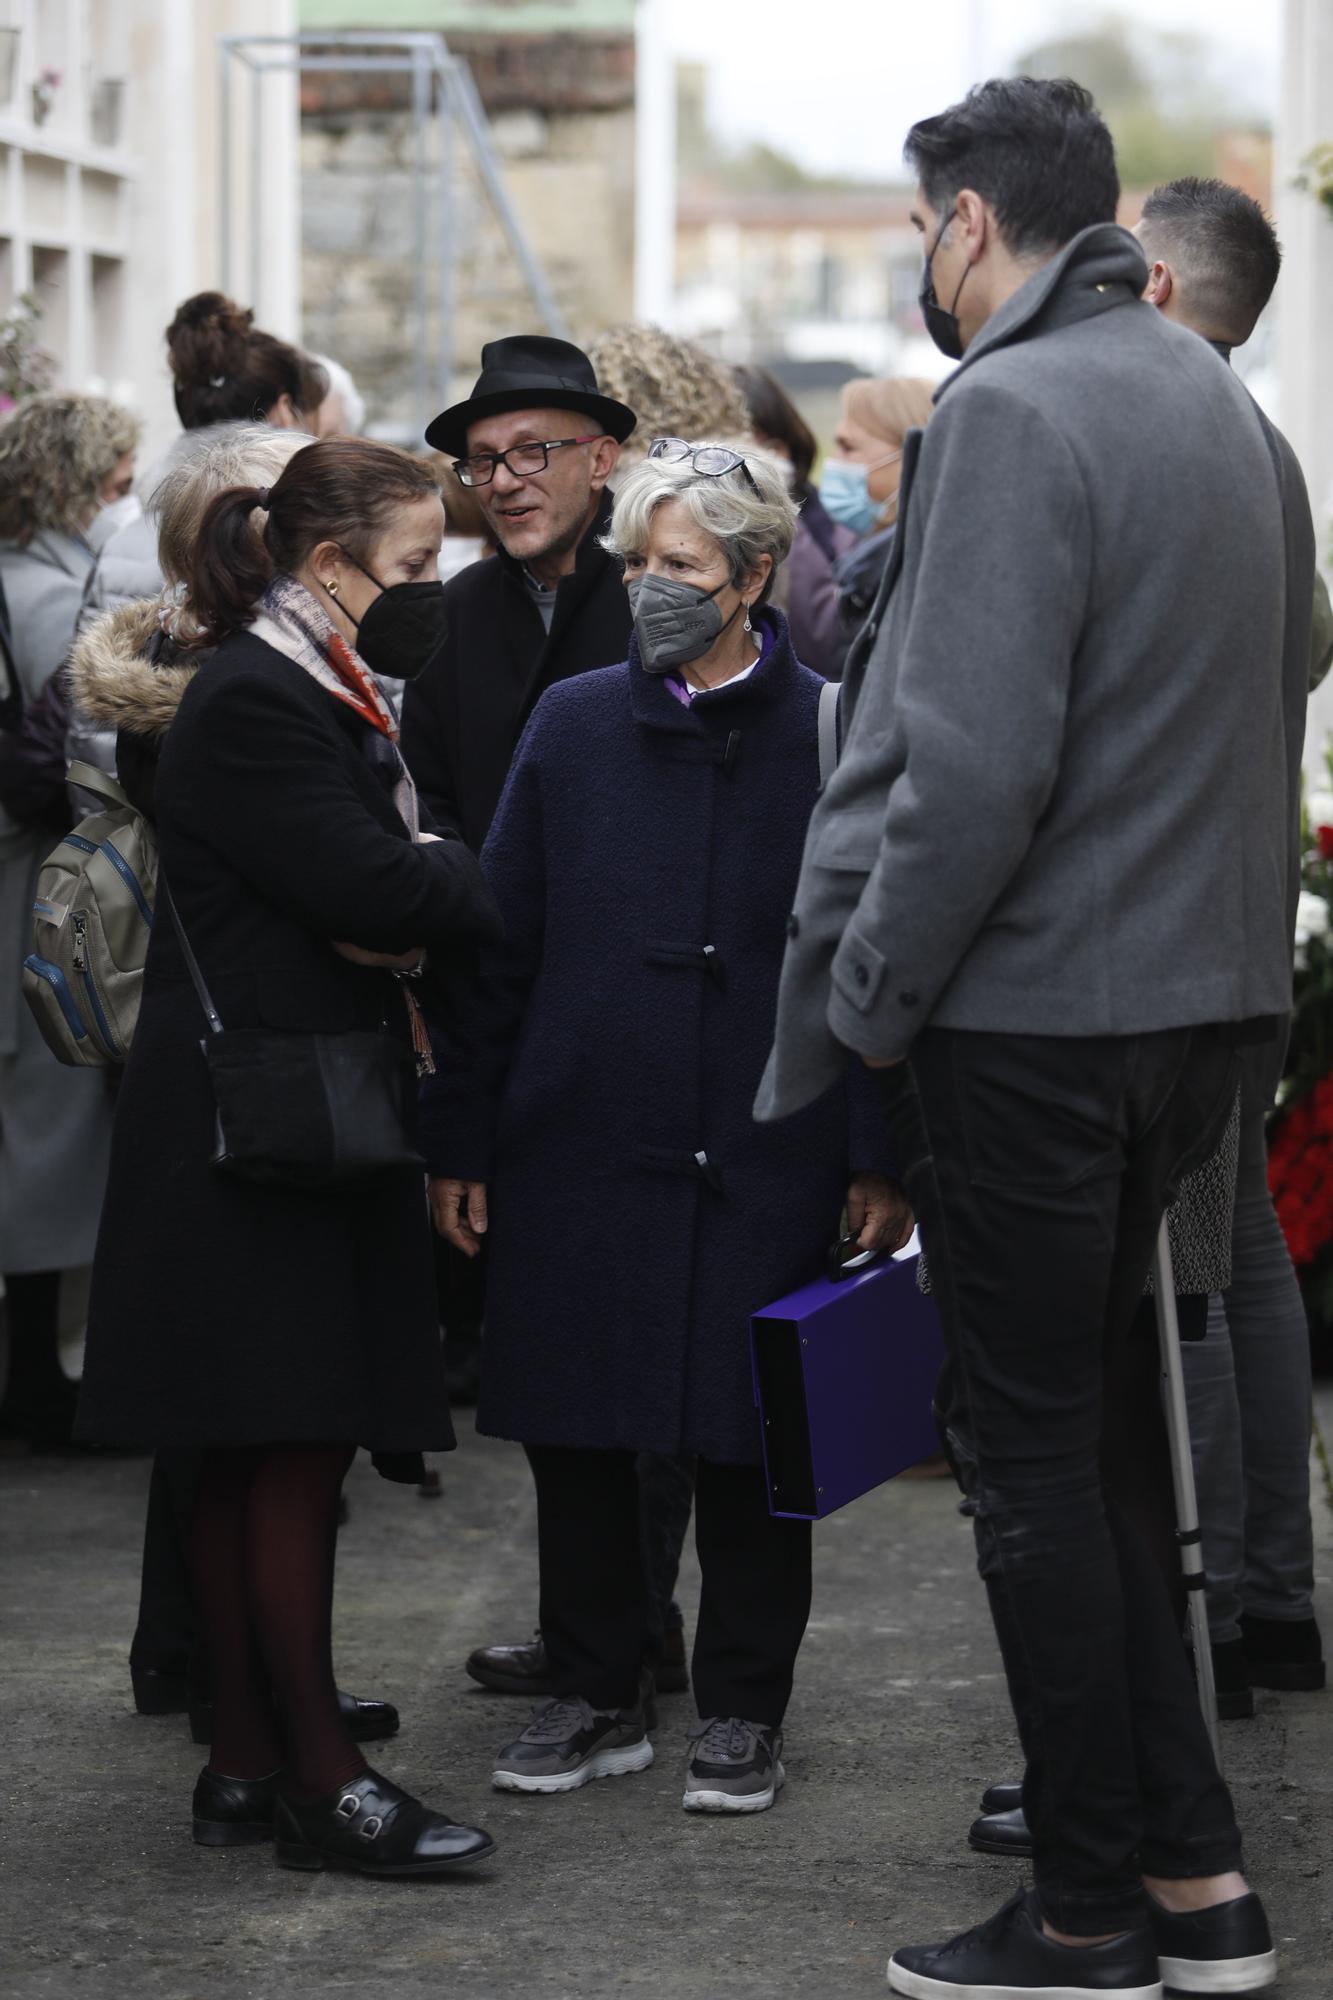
(1316, 175)
(26, 367)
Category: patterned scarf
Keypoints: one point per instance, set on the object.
(293, 621)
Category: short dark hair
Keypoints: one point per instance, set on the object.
(344, 490)
(1035, 148)
(774, 415)
(1225, 250)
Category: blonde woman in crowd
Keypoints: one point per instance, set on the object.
(64, 462)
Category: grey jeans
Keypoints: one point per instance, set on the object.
(1248, 1387)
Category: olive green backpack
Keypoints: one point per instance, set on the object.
(92, 919)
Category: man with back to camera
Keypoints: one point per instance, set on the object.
(1214, 259)
(536, 443)
(1052, 982)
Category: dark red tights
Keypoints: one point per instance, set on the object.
(265, 1531)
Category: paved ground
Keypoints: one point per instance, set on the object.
(898, 1722)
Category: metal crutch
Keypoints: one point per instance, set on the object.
(1182, 1478)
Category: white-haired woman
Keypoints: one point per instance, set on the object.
(596, 1123)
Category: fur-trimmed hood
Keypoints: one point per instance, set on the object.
(114, 682)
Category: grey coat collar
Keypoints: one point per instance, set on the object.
(1096, 269)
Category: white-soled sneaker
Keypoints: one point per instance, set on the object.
(735, 1767)
(568, 1744)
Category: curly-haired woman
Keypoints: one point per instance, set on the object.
(62, 460)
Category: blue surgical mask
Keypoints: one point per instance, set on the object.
(844, 489)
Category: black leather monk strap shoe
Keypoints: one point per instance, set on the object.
(367, 1721)
(233, 1812)
(373, 1828)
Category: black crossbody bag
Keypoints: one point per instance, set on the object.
(305, 1110)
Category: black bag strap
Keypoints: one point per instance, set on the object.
(11, 687)
(191, 962)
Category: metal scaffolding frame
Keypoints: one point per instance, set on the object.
(442, 90)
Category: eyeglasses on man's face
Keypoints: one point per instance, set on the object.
(521, 460)
(712, 459)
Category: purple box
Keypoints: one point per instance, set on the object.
(844, 1374)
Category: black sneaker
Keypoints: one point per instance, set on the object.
(1226, 1948)
(568, 1744)
(1009, 1956)
(735, 1767)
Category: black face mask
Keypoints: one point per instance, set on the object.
(403, 631)
(941, 325)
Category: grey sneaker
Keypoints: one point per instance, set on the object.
(736, 1767)
(568, 1744)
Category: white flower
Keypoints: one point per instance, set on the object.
(1319, 807)
(1312, 916)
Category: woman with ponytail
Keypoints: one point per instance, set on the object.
(275, 1328)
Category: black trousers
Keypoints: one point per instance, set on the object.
(1039, 1168)
(166, 1637)
(595, 1601)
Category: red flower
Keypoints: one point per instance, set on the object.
(1324, 841)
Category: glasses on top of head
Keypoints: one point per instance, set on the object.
(522, 460)
(712, 459)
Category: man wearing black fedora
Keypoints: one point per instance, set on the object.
(535, 443)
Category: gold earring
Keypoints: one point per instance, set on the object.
(332, 588)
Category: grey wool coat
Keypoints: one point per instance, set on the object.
(1065, 802)
(55, 1123)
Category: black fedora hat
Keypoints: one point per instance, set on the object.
(530, 371)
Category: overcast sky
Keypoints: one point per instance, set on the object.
(838, 82)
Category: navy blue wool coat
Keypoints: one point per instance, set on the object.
(644, 858)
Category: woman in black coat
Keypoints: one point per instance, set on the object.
(597, 1117)
(276, 1328)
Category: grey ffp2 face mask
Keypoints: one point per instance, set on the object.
(674, 622)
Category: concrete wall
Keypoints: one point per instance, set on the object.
(1305, 349)
(562, 123)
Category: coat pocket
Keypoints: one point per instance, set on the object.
(849, 842)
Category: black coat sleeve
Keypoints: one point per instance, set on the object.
(258, 779)
(425, 752)
(32, 762)
(460, 1103)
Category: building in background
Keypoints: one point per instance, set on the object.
(556, 79)
(109, 195)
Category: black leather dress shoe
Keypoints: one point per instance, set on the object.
(1283, 1653)
(522, 1669)
(1001, 1833)
(233, 1812)
(525, 1669)
(367, 1721)
(1226, 1948)
(1011, 1955)
(159, 1693)
(373, 1828)
(1001, 1798)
